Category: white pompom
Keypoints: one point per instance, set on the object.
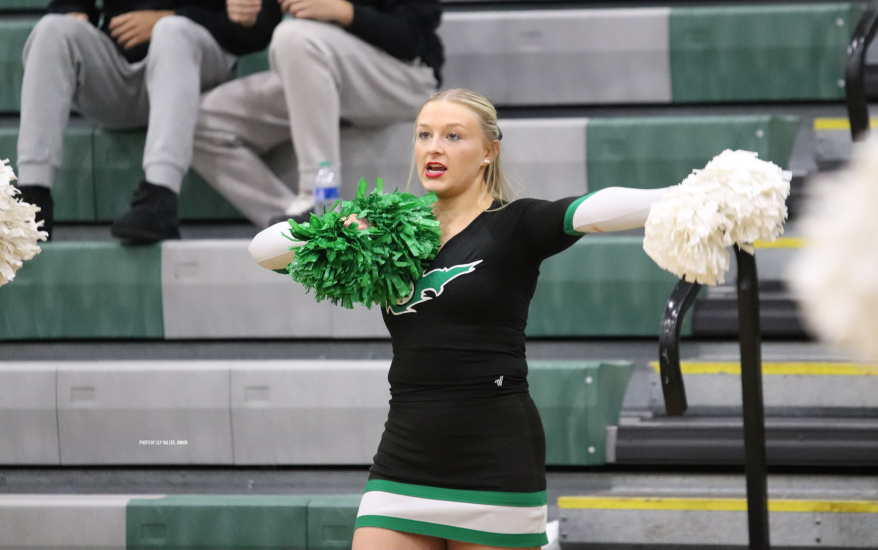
(18, 231)
(735, 199)
(835, 277)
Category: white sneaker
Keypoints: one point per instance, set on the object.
(302, 204)
(552, 529)
(299, 210)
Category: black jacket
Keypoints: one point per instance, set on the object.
(406, 29)
(211, 14)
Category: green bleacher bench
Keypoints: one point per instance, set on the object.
(651, 152)
(219, 522)
(23, 5)
(74, 193)
(548, 158)
(601, 286)
(578, 401)
(85, 290)
(178, 522)
(783, 52)
(118, 157)
(261, 413)
(13, 35)
(780, 52)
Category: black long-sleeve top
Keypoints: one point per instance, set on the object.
(406, 29)
(211, 14)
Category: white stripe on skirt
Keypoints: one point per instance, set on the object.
(510, 520)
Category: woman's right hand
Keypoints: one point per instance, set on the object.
(362, 223)
(243, 12)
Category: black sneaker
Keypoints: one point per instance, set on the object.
(152, 216)
(42, 197)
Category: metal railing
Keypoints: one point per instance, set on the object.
(855, 72)
(750, 339)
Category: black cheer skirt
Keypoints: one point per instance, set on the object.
(461, 465)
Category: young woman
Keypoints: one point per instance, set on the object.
(461, 464)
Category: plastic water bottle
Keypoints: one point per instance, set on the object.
(325, 185)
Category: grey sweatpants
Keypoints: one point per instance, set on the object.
(321, 74)
(70, 62)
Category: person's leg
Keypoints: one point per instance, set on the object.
(238, 122)
(183, 60)
(329, 75)
(375, 538)
(67, 61)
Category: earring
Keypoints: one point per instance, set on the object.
(487, 161)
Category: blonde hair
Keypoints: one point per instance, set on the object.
(497, 183)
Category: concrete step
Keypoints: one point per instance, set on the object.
(258, 412)
(803, 441)
(135, 522)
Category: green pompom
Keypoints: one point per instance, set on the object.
(369, 266)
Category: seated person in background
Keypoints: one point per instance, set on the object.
(145, 66)
(367, 62)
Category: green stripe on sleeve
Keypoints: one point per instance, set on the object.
(527, 540)
(457, 495)
(568, 216)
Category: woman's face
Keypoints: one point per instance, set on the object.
(450, 148)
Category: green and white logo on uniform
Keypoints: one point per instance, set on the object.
(433, 282)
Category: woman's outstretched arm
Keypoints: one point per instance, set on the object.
(611, 209)
(273, 249)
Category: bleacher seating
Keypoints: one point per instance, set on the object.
(777, 52)
(15, 6)
(325, 522)
(156, 521)
(616, 95)
(819, 413)
(548, 158)
(13, 35)
(212, 289)
(259, 412)
(734, 53)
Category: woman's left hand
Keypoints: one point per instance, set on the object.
(135, 27)
(362, 223)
